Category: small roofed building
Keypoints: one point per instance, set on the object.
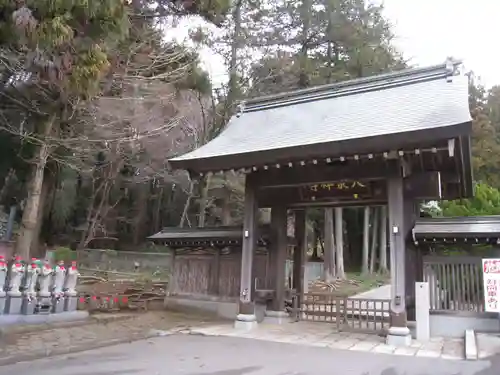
(206, 265)
(393, 139)
(454, 249)
(460, 231)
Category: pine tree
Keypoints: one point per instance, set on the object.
(55, 55)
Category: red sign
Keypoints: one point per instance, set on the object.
(491, 266)
(491, 279)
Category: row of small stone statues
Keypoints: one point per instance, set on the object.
(36, 287)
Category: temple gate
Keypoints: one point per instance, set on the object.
(394, 139)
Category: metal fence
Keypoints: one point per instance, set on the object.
(455, 283)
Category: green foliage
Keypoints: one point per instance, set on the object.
(59, 53)
(343, 39)
(65, 254)
(212, 10)
(486, 201)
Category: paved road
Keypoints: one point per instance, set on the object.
(198, 355)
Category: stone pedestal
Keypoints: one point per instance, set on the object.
(13, 305)
(57, 305)
(44, 305)
(399, 336)
(245, 322)
(70, 303)
(28, 306)
(3, 300)
(276, 317)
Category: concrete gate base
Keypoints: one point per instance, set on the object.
(399, 336)
(245, 322)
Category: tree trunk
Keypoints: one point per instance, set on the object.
(204, 201)
(157, 212)
(226, 210)
(373, 254)
(92, 219)
(10, 175)
(315, 239)
(185, 211)
(366, 241)
(332, 50)
(329, 254)
(305, 15)
(142, 208)
(383, 240)
(34, 191)
(339, 236)
(49, 183)
(236, 45)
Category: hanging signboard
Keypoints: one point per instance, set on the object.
(491, 279)
(343, 190)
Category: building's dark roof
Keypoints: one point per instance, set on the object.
(208, 235)
(198, 233)
(473, 227)
(401, 108)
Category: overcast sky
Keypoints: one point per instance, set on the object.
(427, 32)
(430, 30)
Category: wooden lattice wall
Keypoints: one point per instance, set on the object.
(213, 272)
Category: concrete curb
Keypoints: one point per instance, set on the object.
(470, 342)
(90, 346)
(8, 330)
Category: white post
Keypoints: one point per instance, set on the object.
(422, 307)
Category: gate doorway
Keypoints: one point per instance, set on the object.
(364, 315)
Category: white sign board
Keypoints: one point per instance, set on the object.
(491, 279)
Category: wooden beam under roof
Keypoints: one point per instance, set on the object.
(288, 177)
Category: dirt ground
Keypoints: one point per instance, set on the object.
(100, 330)
(354, 283)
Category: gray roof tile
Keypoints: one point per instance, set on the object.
(474, 226)
(407, 101)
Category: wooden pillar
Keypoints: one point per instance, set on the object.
(411, 257)
(299, 253)
(246, 314)
(279, 249)
(398, 334)
(383, 239)
(329, 255)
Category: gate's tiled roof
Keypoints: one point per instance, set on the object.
(348, 115)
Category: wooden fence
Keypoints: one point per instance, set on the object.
(455, 283)
(207, 272)
(346, 314)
